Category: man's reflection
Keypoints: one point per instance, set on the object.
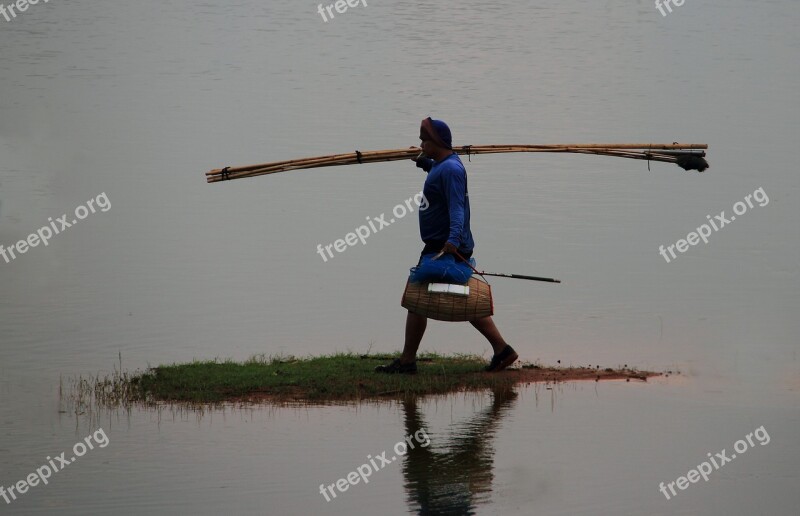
(454, 474)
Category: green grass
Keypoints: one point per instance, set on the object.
(339, 377)
(343, 376)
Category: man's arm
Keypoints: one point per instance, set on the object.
(424, 163)
(455, 192)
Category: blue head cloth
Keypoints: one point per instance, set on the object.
(437, 131)
(443, 132)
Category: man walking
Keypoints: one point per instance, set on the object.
(444, 227)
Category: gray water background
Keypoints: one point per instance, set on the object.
(138, 100)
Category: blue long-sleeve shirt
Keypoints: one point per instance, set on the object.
(446, 219)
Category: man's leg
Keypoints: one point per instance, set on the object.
(488, 329)
(407, 363)
(504, 355)
(415, 329)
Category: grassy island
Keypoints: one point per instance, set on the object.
(338, 377)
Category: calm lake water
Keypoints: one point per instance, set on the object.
(137, 100)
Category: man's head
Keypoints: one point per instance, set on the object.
(437, 141)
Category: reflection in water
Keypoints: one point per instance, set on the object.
(454, 475)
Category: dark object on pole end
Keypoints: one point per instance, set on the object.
(691, 162)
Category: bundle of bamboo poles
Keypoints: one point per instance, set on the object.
(688, 156)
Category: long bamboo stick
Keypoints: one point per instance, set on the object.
(663, 152)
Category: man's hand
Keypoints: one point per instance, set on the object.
(415, 158)
(422, 161)
(449, 249)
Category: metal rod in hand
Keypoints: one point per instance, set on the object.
(520, 276)
(498, 274)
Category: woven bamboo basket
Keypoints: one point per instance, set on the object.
(449, 307)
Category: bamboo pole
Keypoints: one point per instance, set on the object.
(663, 152)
